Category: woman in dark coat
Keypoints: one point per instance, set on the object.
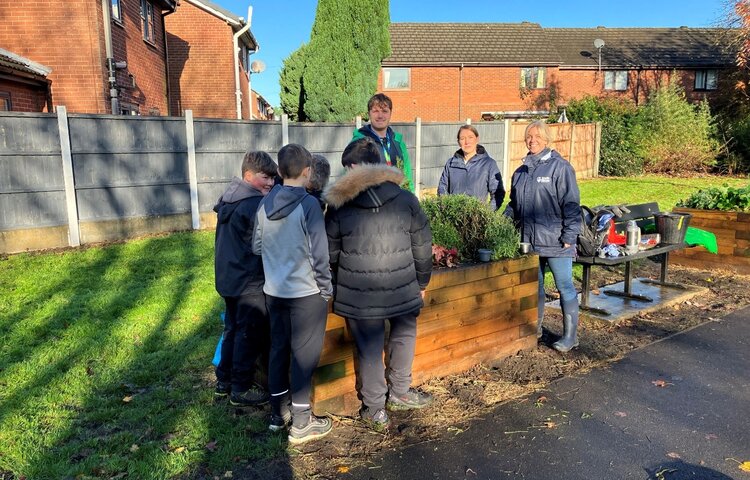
(545, 204)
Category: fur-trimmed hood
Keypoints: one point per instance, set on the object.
(361, 179)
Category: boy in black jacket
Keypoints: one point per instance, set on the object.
(239, 280)
(380, 248)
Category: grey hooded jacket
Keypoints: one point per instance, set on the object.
(290, 235)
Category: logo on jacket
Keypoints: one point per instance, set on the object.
(543, 179)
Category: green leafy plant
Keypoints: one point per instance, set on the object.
(674, 136)
(719, 198)
(467, 224)
(619, 156)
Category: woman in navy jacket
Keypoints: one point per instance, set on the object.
(545, 204)
(472, 171)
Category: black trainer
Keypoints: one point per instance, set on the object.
(317, 427)
(222, 389)
(252, 397)
(411, 400)
(280, 422)
(376, 419)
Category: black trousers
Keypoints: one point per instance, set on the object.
(246, 340)
(297, 329)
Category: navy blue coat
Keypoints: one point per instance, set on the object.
(479, 178)
(546, 205)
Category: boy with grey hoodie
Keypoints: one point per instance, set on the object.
(291, 238)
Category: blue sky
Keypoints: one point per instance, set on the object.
(281, 26)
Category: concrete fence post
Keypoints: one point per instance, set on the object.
(597, 148)
(74, 233)
(506, 151)
(284, 129)
(358, 121)
(417, 167)
(195, 213)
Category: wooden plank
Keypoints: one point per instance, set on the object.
(708, 214)
(478, 287)
(478, 271)
(457, 335)
(469, 304)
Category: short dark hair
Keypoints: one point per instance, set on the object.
(362, 150)
(293, 159)
(379, 99)
(259, 162)
(319, 172)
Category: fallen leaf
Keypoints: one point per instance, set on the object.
(621, 414)
(134, 448)
(673, 455)
(595, 291)
(550, 424)
(585, 415)
(89, 371)
(127, 399)
(711, 436)
(745, 466)
(179, 450)
(660, 383)
(228, 474)
(211, 446)
(343, 469)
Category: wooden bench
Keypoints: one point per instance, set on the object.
(643, 215)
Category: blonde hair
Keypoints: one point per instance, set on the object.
(544, 131)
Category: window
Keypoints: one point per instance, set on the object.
(396, 78)
(706, 79)
(147, 20)
(616, 80)
(5, 102)
(116, 10)
(533, 77)
(128, 109)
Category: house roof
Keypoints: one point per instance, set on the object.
(470, 43)
(236, 22)
(529, 44)
(17, 63)
(644, 47)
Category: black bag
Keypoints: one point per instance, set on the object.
(590, 239)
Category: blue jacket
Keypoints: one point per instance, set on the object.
(545, 204)
(478, 178)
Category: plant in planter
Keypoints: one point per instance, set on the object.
(716, 198)
(467, 224)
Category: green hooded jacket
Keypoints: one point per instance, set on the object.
(397, 151)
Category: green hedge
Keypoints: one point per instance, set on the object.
(467, 224)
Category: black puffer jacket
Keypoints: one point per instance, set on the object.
(380, 244)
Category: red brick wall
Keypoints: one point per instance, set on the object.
(24, 97)
(68, 37)
(201, 65)
(434, 91)
(64, 36)
(146, 60)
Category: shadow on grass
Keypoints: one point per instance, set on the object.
(106, 371)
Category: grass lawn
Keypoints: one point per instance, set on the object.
(667, 191)
(105, 356)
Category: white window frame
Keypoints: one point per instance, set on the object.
(616, 80)
(706, 79)
(147, 21)
(116, 11)
(387, 74)
(531, 77)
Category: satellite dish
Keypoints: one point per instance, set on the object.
(598, 43)
(257, 66)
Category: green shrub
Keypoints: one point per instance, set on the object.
(467, 224)
(719, 198)
(618, 155)
(737, 158)
(673, 136)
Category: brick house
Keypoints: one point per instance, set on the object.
(262, 110)
(122, 39)
(209, 61)
(454, 71)
(23, 84)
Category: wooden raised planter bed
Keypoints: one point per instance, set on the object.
(732, 230)
(474, 313)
